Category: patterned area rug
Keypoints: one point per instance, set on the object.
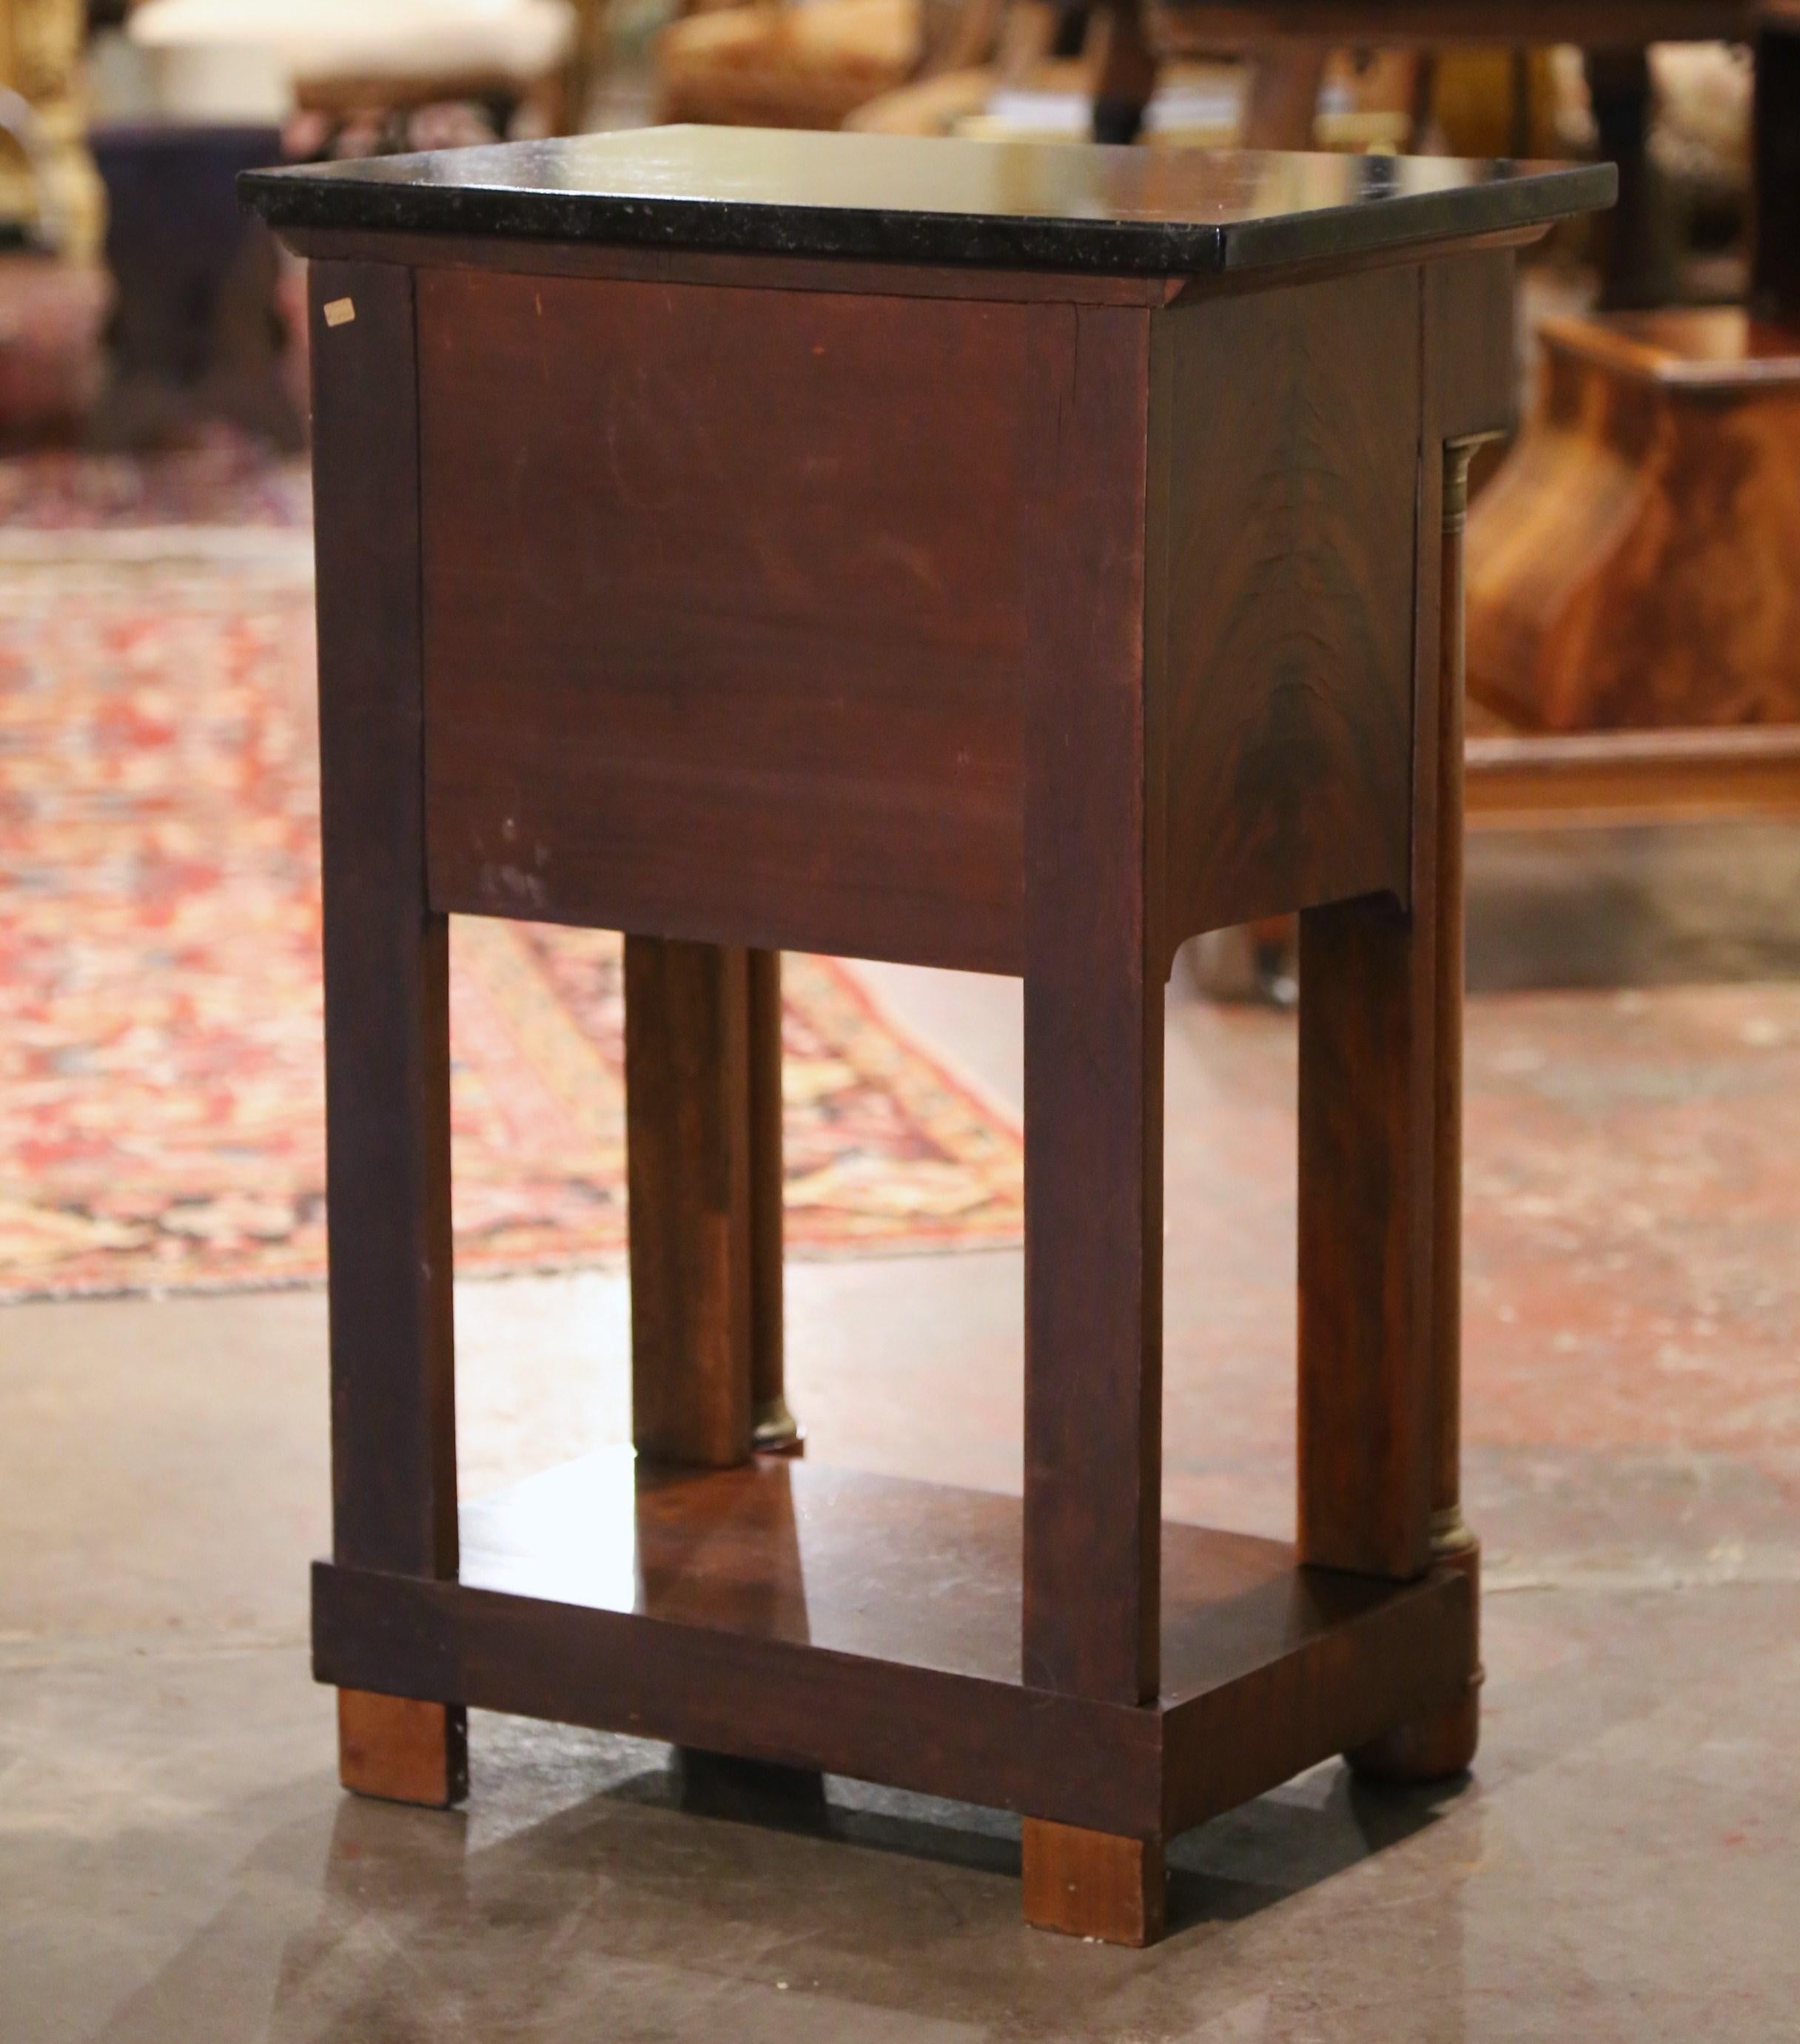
(161, 1086)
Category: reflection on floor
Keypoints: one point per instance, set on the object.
(175, 1861)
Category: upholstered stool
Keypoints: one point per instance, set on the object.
(343, 56)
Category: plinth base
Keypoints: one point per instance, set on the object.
(866, 1625)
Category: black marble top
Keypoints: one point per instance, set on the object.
(1070, 206)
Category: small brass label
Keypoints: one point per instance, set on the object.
(339, 312)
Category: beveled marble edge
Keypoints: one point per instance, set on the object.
(1549, 195)
(349, 197)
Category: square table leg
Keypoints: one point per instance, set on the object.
(1094, 968)
(703, 1111)
(387, 1022)
(1381, 1194)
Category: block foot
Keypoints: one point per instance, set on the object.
(402, 1750)
(1093, 1884)
(752, 1792)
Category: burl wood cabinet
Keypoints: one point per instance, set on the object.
(1006, 558)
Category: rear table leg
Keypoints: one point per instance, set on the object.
(703, 1111)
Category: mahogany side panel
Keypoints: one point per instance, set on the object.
(1285, 630)
(727, 611)
(387, 1031)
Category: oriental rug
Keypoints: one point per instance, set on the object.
(161, 1062)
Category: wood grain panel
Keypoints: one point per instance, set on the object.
(1285, 638)
(727, 615)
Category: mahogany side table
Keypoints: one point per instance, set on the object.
(1011, 558)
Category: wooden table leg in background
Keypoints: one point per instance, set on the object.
(1127, 77)
(1281, 82)
(1637, 243)
(388, 1020)
(703, 1115)
(773, 1430)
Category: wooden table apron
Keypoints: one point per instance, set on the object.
(1005, 622)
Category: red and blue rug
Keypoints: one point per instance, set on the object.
(160, 1067)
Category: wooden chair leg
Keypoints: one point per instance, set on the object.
(1092, 1884)
(402, 1750)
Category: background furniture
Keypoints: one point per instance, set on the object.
(195, 333)
(1634, 565)
(814, 65)
(995, 671)
(361, 63)
(48, 189)
(786, 67)
(1286, 43)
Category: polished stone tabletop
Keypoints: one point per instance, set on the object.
(1069, 206)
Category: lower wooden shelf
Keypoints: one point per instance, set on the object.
(869, 1626)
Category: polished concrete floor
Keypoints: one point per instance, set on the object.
(176, 1862)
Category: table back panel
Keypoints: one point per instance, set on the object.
(726, 604)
